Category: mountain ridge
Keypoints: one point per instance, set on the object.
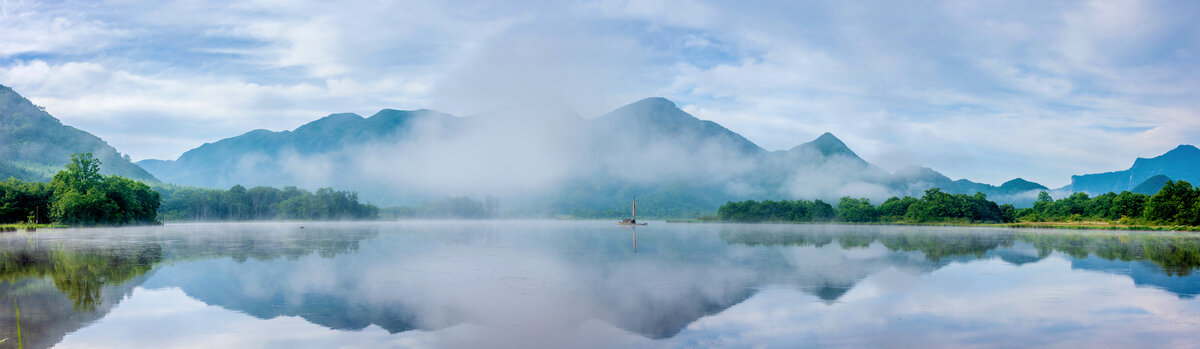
(650, 148)
(1173, 164)
(34, 144)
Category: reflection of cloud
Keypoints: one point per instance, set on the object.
(1041, 304)
(557, 284)
(1027, 306)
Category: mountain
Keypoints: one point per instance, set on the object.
(251, 158)
(1179, 164)
(35, 145)
(547, 161)
(827, 145)
(659, 118)
(1017, 191)
(1151, 186)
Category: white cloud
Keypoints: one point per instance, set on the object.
(136, 112)
(979, 89)
(33, 28)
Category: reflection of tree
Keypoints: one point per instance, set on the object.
(936, 246)
(61, 288)
(260, 243)
(79, 274)
(1177, 254)
(65, 284)
(770, 238)
(855, 239)
(252, 247)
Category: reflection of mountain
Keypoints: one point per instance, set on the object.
(240, 270)
(252, 287)
(555, 276)
(1160, 260)
(665, 317)
(1143, 273)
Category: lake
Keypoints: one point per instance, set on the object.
(552, 284)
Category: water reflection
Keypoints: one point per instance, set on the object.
(551, 283)
(94, 270)
(1172, 254)
(61, 288)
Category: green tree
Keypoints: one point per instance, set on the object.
(1127, 204)
(821, 211)
(857, 210)
(935, 205)
(82, 196)
(22, 201)
(896, 207)
(1175, 203)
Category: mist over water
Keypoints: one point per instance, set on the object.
(586, 284)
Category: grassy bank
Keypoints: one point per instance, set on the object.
(11, 227)
(1097, 225)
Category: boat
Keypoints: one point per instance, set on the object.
(631, 221)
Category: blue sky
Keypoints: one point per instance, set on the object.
(985, 90)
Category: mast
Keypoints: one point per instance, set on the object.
(635, 208)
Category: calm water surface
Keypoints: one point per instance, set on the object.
(591, 284)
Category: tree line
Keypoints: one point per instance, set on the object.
(262, 203)
(79, 195)
(1176, 254)
(934, 206)
(1177, 203)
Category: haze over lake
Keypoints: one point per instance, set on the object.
(591, 284)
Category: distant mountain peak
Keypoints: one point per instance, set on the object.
(829, 139)
(339, 117)
(1179, 163)
(1180, 151)
(827, 144)
(1020, 184)
(653, 108)
(1185, 147)
(658, 117)
(330, 122)
(657, 102)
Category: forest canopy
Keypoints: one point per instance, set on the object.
(79, 195)
(1177, 203)
(262, 203)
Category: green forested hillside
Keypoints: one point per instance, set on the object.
(1151, 185)
(34, 145)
